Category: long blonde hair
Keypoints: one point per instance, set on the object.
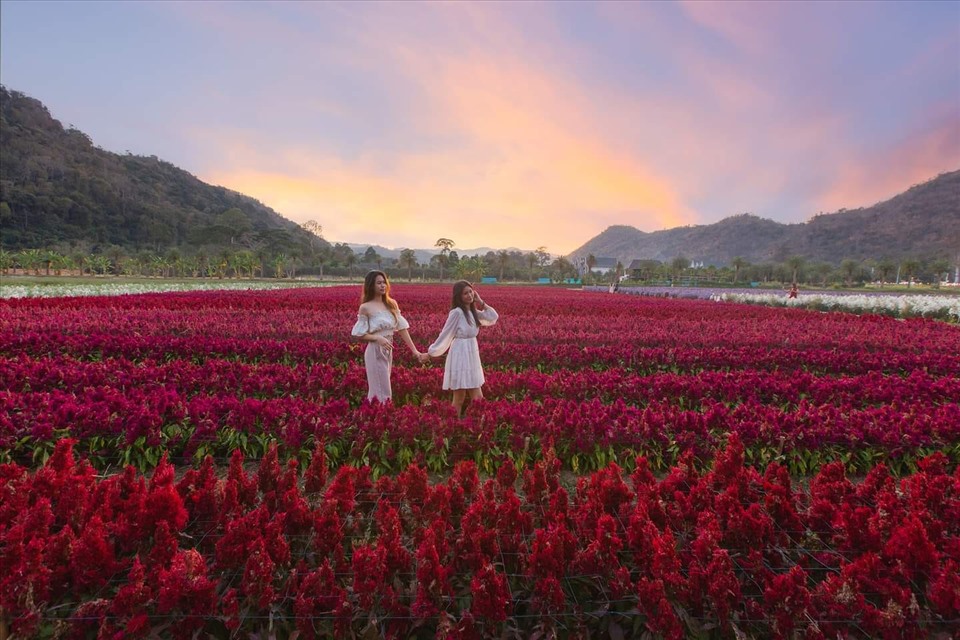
(370, 292)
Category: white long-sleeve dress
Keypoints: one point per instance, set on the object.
(463, 369)
(378, 359)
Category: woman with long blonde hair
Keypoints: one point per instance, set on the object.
(377, 320)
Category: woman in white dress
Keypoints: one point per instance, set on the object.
(377, 320)
(463, 372)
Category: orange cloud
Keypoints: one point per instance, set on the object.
(530, 165)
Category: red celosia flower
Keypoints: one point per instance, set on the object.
(548, 596)
(92, 560)
(660, 616)
(433, 577)
(910, 546)
(315, 477)
(369, 567)
(944, 591)
(490, 594)
(506, 474)
(185, 589)
(786, 599)
(134, 595)
(258, 576)
(230, 610)
(268, 473)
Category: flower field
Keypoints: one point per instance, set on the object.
(205, 463)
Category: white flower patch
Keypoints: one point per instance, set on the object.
(118, 289)
(904, 306)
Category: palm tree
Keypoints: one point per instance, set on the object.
(279, 261)
(321, 259)
(531, 262)
(563, 268)
(160, 265)
(738, 263)
(822, 271)
(49, 258)
(30, 259)
(849, 268)
(203, 263)
(910, 267)
(293, 263)
(474, 267)
(941, 271)
(223, 263)
(244, 262)
(117, 256)
(350, 259)
(174, 262)
(503, 257)
(445, 245)
(99, 264)
(408, 259)
(591, 263)
(885, 269)
(679, 264)
(795, 264)
(189, 266)
(6, 261)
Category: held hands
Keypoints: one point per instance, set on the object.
(423, 358)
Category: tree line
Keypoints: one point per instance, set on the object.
(235, 257)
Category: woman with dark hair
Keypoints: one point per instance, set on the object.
(463, 372)
(377, 320)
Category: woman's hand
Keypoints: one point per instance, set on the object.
(478, 301)
(424, 358)
(383, 342)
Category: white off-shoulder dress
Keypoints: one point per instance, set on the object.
(462, 369)
(378, 359)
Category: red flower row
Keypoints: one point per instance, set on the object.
(730, 548)
(544, 328)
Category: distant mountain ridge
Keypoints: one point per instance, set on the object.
(922, 222)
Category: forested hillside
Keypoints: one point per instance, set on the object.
(57, 188)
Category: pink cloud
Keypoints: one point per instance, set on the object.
(521, 150)
(867, 179)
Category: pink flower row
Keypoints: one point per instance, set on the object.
(124, 415)
(539, 328)
(345, 379)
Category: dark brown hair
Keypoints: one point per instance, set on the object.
(458, 288)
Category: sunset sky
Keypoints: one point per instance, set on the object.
(509, 124)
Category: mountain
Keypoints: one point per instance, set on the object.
(922, 222)
(57, 187)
